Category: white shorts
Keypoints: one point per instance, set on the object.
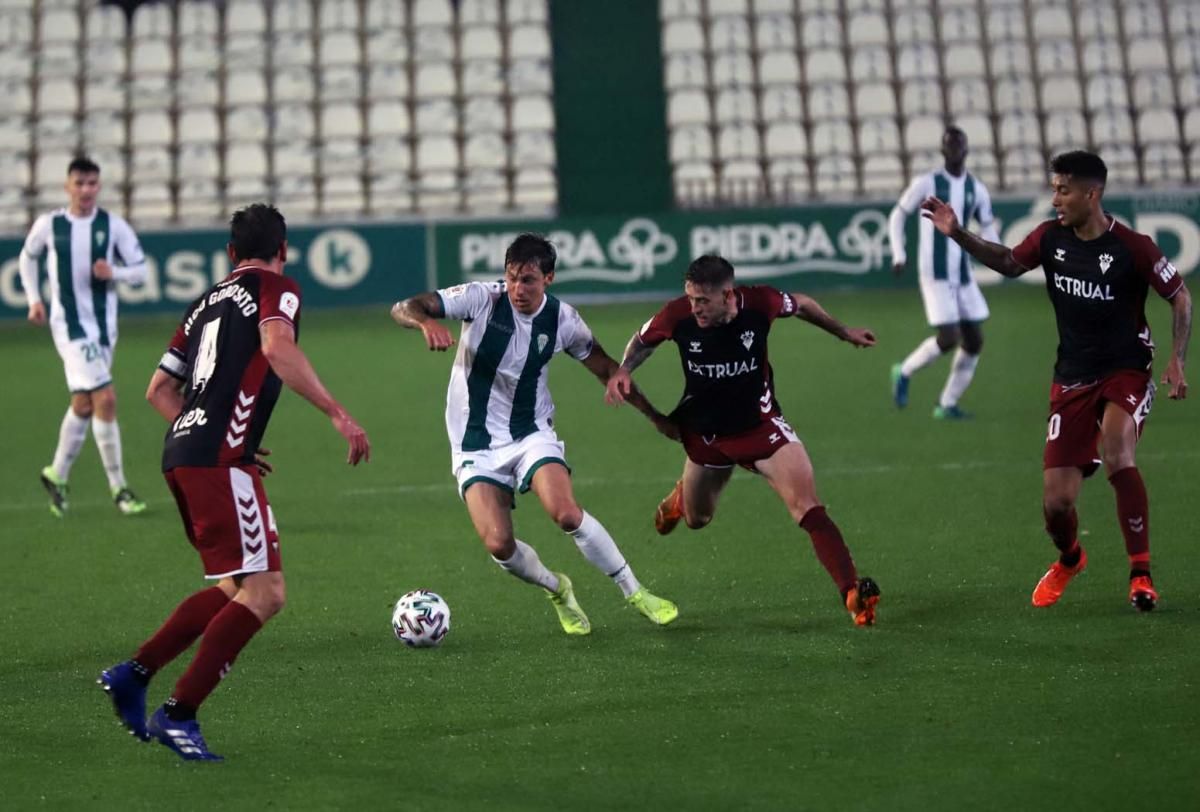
(951, 303)
(87, 364)
(508, 466)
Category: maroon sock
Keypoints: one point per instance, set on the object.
(181, 629)
(1133, 511)
(225, 637)
(830, 548)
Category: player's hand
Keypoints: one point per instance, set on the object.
(898, 268)
(102, 270)
(860, 336)
(666, 426)
(437, 337)
(260, 460)
(356, 436)
(940, 214)
(1174, 380)
(37, 313)
(619, 385)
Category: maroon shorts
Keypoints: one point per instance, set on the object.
(744, 449)
(227, 519)
(1073, 428)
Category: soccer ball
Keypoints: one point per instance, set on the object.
(421, 619)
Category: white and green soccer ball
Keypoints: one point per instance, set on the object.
(421, 619)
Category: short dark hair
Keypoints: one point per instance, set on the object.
(1080, 164)
(954, 130)
(710, 271)
(257, 232)
(531, 249)
(84, 164)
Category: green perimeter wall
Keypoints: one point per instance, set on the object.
(603, 257)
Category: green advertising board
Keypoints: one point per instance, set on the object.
(337, 265)
(812, 246)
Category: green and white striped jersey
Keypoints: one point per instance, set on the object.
(939, 257)
(81, 306)
(499, 388)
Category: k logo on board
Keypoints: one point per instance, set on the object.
(339, 258)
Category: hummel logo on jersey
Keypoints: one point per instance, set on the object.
(747, 338)
(1137, 524)
(1164, 269)
(774, 438)
(240, 420)
(695, 347)
(543, 339)
(1060, 254)
(1106, 262)
(1133, 401)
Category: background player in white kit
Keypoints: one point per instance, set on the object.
(87, 250)
(954, 305)
(500, 417)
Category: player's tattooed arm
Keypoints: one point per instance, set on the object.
(1181, 332)
(421, 312)
(600, 364)
(809, 310)
(636, 352)
(992, 254)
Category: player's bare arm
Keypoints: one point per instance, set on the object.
(1181, 332)
(992, 254)
(293, 368)
(165, 394)
(421, 312)
(604, 366)
(37, 313)
(809, 310)
(620, 383)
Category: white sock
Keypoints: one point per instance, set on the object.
(72, 434)
(599, 548)
(962, 370)
(108, 440)
(526, 565)
(925, 354)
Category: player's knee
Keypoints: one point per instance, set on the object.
(948, 338)
(568, 517)
(502, 546)
(1116, 459)
(81, 405)
(697, 520)
(972, 345)
(273, 601)
(1057, 503)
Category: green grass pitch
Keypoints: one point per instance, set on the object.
(762, 696)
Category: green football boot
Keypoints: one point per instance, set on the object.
(570, 614)
(126, 502)
(57, 488)
(658, 610)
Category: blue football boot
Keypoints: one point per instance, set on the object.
(899, 386)
(127, 690)
(183, 738)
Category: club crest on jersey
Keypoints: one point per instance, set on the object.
(1060, 254)
(747, 338)
(1106, 262)
(100, 237)
(542, 341)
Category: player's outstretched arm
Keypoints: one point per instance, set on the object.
(809, 310)
(604, 367)
(293, 368)
(421, 312)
(992, 254)
(620, 383)
(165, 394)
(1181, 332)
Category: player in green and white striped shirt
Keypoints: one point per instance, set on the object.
(954, 305)
(86, 251)
(500, 419)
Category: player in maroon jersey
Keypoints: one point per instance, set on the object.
(216, 386)
(729, 416)
(1098, 273)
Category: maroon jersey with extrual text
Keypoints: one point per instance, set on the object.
(230, 389)
(1098, 289)
(729, 385)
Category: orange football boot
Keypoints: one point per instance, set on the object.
(670, 510)
(861, 601)
(1142, 593)
(1050, 588)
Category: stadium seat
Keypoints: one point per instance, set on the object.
(968, 95)
(687, 144)
(978, 129)
(923, 133)
(1122, 163)
(741, 182)
(1020, 130)
(688, 107)
(964, 59)
(532, 149)
(1024, 168)
(1065, 130)
(828, 101)
(201, 89)
(340, 156)
(151, 202)
(104, 58)
(913, 26)
(871, 64)
(56, 96)
(431, 12)
(1056, 57)
(386, 46)
(1107, 91)
(57, 25)
(686, 70)
(779, 67)
(735, 105)
(338, 15)
(825, 65)
(1011, 58)
(480, 42)
(485, 189)
(111, 161)
(18, 97)
(732, 68)
(197, 161)
(199, 200)
(340, 83)
(875, 99)
(1112, 128)
(151, 21)
(151, 56)
(388, 118)
(390, 192)
(717, 8)
(836, 176)
(535, 188)
(342, 195)
(1186, 53)
(292, 121)
(436, 152)
(198, 125)
(387, 155)
(149, 127)
(1158, 126)
(292, 49)
(1006, 23)
(781, 103)
(785, 140)
(390, 81)
(1097, 19)
(1153, 90)
(1191, 132)
(56, 131)
(532, 113)
(434, 44)
(1103, 56)
(483, 114)
(789, 181)
(105, 128)
(529, 76)
(821, 31)
(197, 53)
(487, 150)
(917, 61)
(1147, 55)
(1163, 163)
(1052, 23)
(245, 17)
(293, 158)
(1014, 94)
(878, 135)
(150, 164)
(338, 48)
(831, 138)
(728, 34)
(296, 196)
(479, 12)
(436, 117)
(883, 174)
(738, 141)
(683, 36)
(291, 16)
(867, 28)
(245, 124)
(775, 32)
(528, 42)
(341, 121)
(921, 97)
(1187, 89)
(289, 86)
(1061, 93)
(959, 24)
(104, 23)
(245, 53)
(1141, 18)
